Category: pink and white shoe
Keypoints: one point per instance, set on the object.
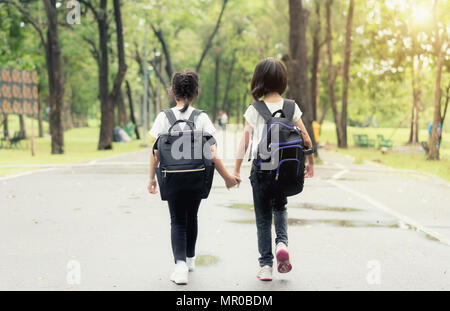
(265, 273)
(282, 254)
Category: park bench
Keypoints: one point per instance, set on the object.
(362, 140)
(16, 140)
(382, 142)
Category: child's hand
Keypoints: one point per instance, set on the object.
(231, 181)
(309, 170)
(152, 186)
(238, 177)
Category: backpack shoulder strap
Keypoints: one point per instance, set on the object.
(172, 118)
(194, 115)
(262, 109)
(289, 109)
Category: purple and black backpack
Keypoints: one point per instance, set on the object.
(281, 151)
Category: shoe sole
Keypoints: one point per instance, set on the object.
(284, 265)
(264, 279)
(182, 282)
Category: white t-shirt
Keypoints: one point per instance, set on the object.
(162, 124)
(224, 118)
(257, 122)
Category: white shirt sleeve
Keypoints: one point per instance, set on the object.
(251, 116)
(297, 114)
(158, 126)
(207, 125)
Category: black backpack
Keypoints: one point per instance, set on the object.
(185, 159)
(281, 163)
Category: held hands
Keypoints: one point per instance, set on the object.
(231, 181)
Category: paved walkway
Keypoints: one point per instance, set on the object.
(354, 227)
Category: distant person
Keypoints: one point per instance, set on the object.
(439, 132)
(224, 120)
(269, 82)
(183, 206)
(219, 118)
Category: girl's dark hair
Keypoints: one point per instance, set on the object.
(185, 86)
(270, 76)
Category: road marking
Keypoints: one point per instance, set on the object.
(9, 177)
(405, 219)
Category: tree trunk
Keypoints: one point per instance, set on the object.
(23, 126)
(331, 74)
(437, 118)
(39, 117)
(298, 63)
(159, 34)
(132, 116)
(216, 84)
(5, 126)
(348, 53)
(55, 79)
(416, 71)
(67, 110)
(447, 99)
(315, 62)
(117, 94)
(106, 106)
(414, 129)
(109, 100)
(211, 37)
(319, 82)
(122, 119)
(228, 85)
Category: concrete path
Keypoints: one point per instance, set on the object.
(94, 227)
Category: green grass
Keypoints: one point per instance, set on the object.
(80, 146)
(399, 160)
(407, 161)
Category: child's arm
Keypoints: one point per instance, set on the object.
(152, 184)
(243, 146)
(230, 180)
(309, 169)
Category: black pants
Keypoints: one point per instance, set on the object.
(267, 206)
(184, 227)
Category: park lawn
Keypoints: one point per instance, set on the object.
(407, 161)
(80, 146)
(398, 160)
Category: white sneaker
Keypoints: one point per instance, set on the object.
(282, 255)
(265, 273)
(190, 263)
(180, 274)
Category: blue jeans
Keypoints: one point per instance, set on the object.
(266, 205)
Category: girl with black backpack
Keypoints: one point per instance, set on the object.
(279, 167)
(182, 187)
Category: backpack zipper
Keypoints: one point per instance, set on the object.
(182, 171)
(278, 171)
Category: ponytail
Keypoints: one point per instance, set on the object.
(186, 105)
(185, 86)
